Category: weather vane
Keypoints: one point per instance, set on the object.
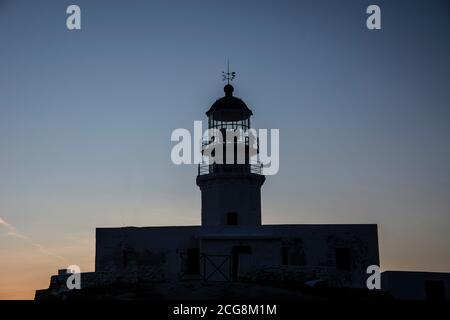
(229, 76)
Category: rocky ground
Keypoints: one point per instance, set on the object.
(196, 290)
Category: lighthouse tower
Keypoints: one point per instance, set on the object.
(231, 188)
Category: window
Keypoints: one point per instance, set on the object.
(237, 251)
(232, 218)
(292, 252)
(125, 258)
(284, 256)
(193, 261)
(343, 259)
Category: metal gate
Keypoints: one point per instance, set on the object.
(213, 267)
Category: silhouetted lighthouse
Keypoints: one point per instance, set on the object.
(231, 244)
(231, 191)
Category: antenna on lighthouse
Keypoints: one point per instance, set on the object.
(228, 76)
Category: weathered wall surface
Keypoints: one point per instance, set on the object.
(310, 251)
(409, 285)
(312, 248)
(315, 247)
(262, 252)
(156, 252)
(152, 251)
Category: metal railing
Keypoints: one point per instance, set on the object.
(208, 142)
(204, 168)
(256, 168)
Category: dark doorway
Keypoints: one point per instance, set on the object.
(125, 258)
(237, 251)
(343, 259)
(284, 256)
(232, 218)
(435, 290)
(193, 261)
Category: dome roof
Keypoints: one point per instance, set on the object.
(229, 108)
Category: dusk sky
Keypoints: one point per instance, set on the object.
(86, 118)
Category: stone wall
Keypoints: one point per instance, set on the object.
(155, 252)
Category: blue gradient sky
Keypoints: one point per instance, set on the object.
(86, 118)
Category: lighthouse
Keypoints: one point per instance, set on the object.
(231, 183)
(231, 244)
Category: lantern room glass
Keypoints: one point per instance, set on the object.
(218, 124)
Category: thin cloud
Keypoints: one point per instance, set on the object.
(12, 232)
